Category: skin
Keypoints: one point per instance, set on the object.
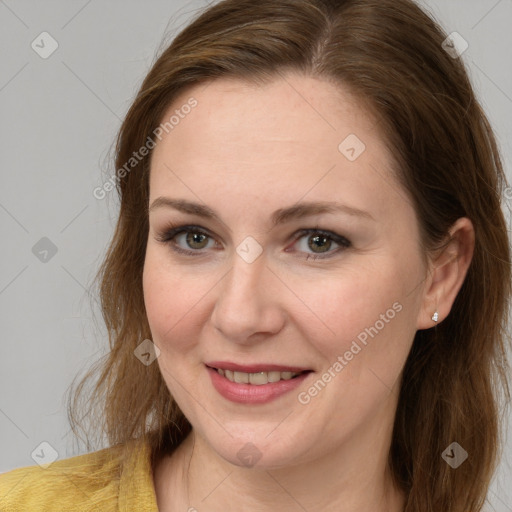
(246, 151)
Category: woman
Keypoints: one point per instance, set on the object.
(306, 292)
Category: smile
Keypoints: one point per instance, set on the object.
(257, 379)
(255, 387)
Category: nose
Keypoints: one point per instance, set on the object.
(247, 305)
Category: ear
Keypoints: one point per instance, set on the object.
(446, 273)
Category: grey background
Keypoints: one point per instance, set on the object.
(59, 118)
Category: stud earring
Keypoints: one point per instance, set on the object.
(435, 316)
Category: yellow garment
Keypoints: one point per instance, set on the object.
(94, 482)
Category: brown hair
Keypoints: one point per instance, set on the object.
(390, 54)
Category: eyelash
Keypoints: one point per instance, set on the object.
(168, 236)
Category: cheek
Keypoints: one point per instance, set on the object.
(366, 316)
(341, 306)
(169, 307)
(169, 298)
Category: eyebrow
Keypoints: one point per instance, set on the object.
(281, 216)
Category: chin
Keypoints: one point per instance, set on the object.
(262, 451)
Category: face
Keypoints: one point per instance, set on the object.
(249, 281)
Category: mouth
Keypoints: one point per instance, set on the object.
(257, 378)
(256, 384)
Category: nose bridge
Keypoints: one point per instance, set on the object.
(245, 303)
(242, 286)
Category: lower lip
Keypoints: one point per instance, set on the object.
(251, 393)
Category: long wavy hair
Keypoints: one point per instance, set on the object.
(390, 54)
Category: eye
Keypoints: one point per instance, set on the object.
(196, 239)
(193, 238)
(320, 241)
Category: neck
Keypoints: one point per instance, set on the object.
(194, 477)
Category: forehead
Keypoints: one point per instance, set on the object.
(293, 108)
(291, 137)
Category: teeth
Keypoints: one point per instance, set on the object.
(257, 378)
(274, 376)
(241, 377)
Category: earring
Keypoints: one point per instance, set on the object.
(435, 316)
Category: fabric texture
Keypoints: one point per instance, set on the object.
(94, 482)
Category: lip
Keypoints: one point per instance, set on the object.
(250, 393)
(254, 368)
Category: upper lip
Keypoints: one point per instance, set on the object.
(254, 368)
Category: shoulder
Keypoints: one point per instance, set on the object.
(82, 483)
